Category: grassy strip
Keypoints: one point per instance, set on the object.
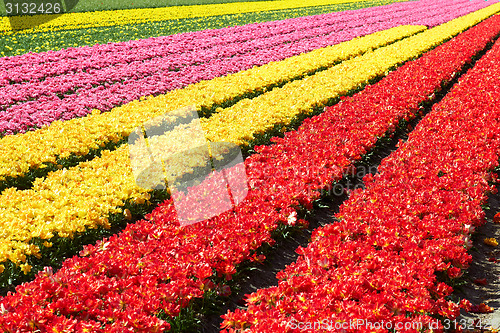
(21, 43)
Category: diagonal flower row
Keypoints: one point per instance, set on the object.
(70, 200)
(249, 118)
(35, 104)
(28, 66)
(378, 264)
(33, 149)
(40, 65)
(43, 146)
(37, 23)
(155, 266)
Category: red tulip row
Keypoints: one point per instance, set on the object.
(377, 267)
(156, 267)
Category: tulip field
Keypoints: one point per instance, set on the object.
(305, 94)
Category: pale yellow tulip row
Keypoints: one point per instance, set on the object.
(82, 197)
(77, 136)
(39, 23)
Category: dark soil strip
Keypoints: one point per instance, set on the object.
(485, 265)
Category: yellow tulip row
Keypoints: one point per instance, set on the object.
(167, 157)
(38, 23)
(76, 136)
(70, 200)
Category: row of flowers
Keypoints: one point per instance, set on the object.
(70, 200)
(17, 44)
(38, 23)
(35, 104)
(154, 266)
(39, 65)
(378, 266)
(182, 53)
(77, 136)
(69, 96)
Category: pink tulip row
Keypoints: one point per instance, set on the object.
(32, 114)
(25, 68)
(39, 65)
(122, 282)
(137, 69)
(378, 264)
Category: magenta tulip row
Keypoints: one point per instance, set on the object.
(99, 56)
(17, 72)
(52, 86)
(39, 65)
(155, 265)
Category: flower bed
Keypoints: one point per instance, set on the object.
(77, 136)
(68, 201)
(33, 104)
(155, 267)
(17, 44)
(153, 68)
(39, 65)
(63, 140)
(378, 266)
(242, 122)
